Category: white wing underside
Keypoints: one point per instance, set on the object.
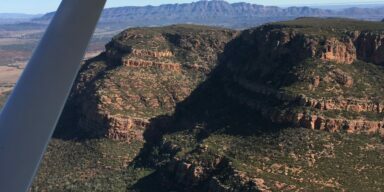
(31, 113)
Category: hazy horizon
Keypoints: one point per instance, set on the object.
(45, 6)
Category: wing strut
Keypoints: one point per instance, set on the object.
(31, 113)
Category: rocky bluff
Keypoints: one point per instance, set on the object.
(143, 74)
(316, 73)
(313, 73)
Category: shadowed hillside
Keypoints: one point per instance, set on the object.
(290, 106)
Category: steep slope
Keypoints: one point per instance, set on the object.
(231, 134)
(143, 74)
(236, 111)
(315, 73)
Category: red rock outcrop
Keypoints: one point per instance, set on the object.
(365, 46)
(319, 122)
(125, 128)
(330, 124)
(341, 77)
(301, 69)
(117, 94)
(339, 52)
(349, 104)
(343, 104)
(189, 175)
(149, 53)
(345, 49)
(143, 63)
(370, 47)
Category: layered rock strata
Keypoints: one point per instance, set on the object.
(309, 77)
(143, 74)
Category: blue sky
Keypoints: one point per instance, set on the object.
(43, 6)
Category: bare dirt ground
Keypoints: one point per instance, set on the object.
(17, 45)
(14, 58)
(9, 75)
(8, 78)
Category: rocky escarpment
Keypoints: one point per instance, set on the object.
(143, 73)
(328, 78)
(189, 175)
(220, 123)
(327, 113)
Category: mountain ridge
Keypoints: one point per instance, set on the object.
(220, 13)
(270, 108)
(19, 15)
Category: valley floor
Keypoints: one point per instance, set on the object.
(292, 159)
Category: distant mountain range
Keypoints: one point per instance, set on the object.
(10, 18)
(221, 13)
(18, 16)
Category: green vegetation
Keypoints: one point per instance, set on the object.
(222, 127)
(354, 115)
(162, 38)
(368, 80)
(3, 98)
(91, 165)
(148, 91)
(156, 94)
(330, 26)
(309, 160)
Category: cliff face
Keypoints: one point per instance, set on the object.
(320, 77)
(314, 79)
(214, 106)
(142, 74)
(355, 45)
(370, 47)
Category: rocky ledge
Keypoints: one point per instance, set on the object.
(326, 78)
(214, 106)
(143, 74)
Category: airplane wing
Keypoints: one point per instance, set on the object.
(31, 113)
